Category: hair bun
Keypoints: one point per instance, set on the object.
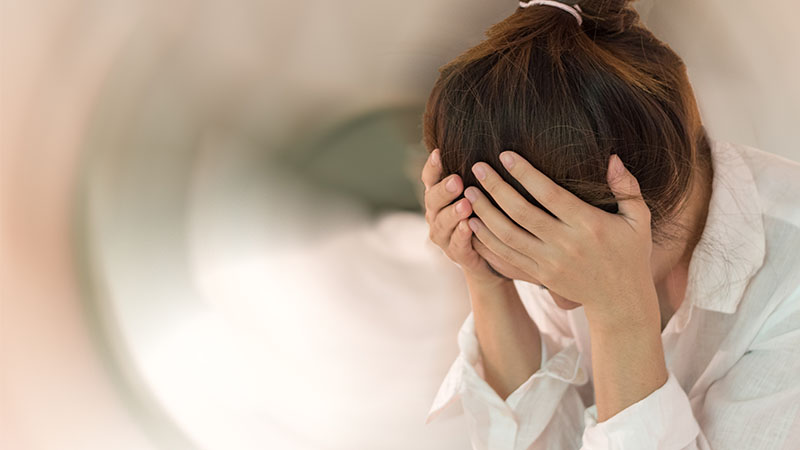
(608, 17)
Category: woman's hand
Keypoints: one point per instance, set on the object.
(591, 257)
(585, 255)
(510, 343)
(448, 223)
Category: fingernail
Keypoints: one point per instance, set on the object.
(617, 165)
(479, 171)
(460, 207)
(473, 224)
(470, 194)
(451, 185)
(507, 160)
(435, 158)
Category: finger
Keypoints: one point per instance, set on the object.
(461, 242)
(626, 189)
(462, 251)
(432, 170)
(506, 253)
(447, 219)
(559, 201)
(501, 227)
(497, 263)
(527, 215)
(442, 193)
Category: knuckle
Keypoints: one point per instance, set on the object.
(584, 220)
(572, 251)
(436, 226)
(550, 196)
(543, 227)
(439, 195)
(506, 235)
(430, 217)
(578, 211)
(457, 243)
(427, 181)
(595, 230)
(430, 203)
(452, 212)
(493, 187)
(549, 273)
(503, 234)
(522, 213)
(428, 171)
(456, 229)
(435, 230)
(447, 217)
(507, 256)
(427, 201)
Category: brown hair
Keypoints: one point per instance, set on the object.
(567, 96)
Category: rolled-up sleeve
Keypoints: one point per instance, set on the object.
(545, 411)
(662, 420)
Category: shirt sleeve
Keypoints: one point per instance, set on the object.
(544, 412)
(662, 420)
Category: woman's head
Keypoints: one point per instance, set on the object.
(567, 96)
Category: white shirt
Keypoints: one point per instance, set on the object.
(732, 348)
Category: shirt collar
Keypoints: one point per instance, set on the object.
(732, 245)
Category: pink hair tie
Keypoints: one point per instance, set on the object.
(575, 11)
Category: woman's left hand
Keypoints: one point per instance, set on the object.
(586, 255)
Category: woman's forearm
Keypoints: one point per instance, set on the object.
(627, 357)
(509, 340)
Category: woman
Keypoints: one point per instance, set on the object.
(634, 283)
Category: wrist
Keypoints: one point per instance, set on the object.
(628, 364)
(636, 314)
(491, 290)
(488, 285)
(492, 295)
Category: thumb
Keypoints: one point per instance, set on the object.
(624, 185)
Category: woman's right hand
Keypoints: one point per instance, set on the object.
(449, 228)
(509, 341)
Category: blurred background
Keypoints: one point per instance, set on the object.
(211, 230)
